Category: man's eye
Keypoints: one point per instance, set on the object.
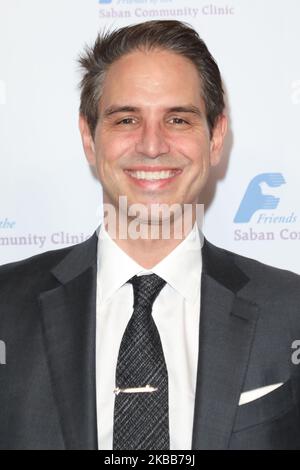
(179, 121)
(126, 121)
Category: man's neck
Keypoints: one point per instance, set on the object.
(147, 253)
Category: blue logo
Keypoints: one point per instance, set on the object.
(255, 200)
(105, 1)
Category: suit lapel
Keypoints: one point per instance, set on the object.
(227, 326)
(69, 325)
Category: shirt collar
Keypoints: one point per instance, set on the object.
(181, 268)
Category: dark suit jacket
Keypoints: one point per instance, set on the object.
(250, 315)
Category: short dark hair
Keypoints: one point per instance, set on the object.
(174, 36)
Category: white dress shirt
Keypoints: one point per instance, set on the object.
(176, 312)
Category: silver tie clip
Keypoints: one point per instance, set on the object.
(147, 389)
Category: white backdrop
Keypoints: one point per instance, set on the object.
(49, 198)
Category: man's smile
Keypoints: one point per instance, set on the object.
(154, 179)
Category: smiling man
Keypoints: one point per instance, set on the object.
(149, 342)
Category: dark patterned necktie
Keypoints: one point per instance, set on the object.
(141, 417)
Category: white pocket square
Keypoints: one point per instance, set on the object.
(252, 395)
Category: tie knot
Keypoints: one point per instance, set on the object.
(146, 288)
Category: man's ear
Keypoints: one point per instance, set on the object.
(217, 139)
(87, 140)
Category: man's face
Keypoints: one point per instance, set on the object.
(152, 141)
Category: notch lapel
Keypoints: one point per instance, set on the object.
(227, 326)
(69, 326)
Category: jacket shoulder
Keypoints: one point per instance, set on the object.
(36, 270)
(269, 281)
(21, 282)
(34, 265)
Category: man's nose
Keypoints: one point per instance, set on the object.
(152, 141)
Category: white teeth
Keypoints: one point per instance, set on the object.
(152, 175)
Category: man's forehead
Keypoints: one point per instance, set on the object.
(153, 89)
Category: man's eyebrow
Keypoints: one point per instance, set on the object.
(119, 109)
(133, 109)
(185, 109)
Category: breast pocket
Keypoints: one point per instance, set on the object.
(265, 408)
(269, 423)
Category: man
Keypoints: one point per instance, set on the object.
(125, 342)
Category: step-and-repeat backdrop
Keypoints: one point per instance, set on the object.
(49, 197)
